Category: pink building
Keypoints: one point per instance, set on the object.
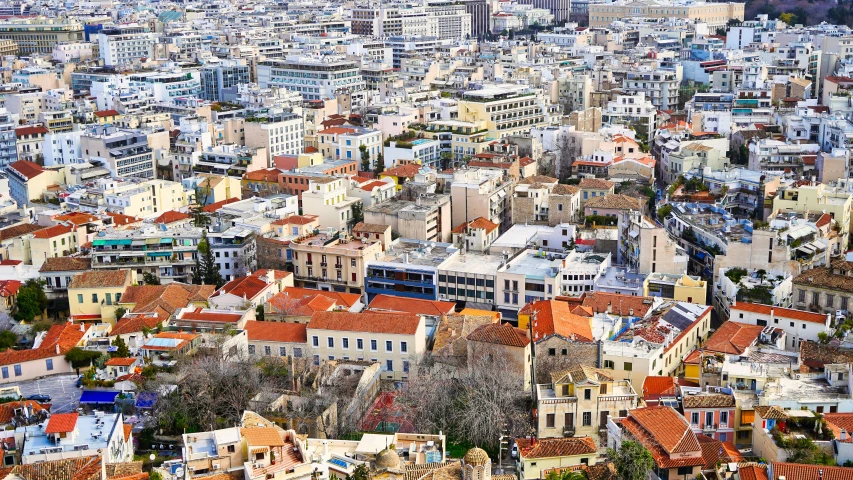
(712, 414)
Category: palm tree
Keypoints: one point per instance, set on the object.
(566, 475)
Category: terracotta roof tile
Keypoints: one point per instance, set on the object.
(9, 287)
(616, 201)
(53, 231)
(752, 472)
(262, 436)
(128, 325)
(553, 316)
(537, 179)
(36, 130)
(18, 230)
(403, 171)
(799, 471)
(619, 304)
(201, 314)
(370, 227)
(411, 305)
(106, 113)
(658, 386)
(769, 412)
(669, 429)
(284, 332)
(555, 447)
(66, 336)
(342, 299)
(79, 468)
(7, 410)
(61, 423)
(127, 430)
(499, 334)
(77, 218)
(708, 401)
(838, 422)
(165, 299)
(733, 338)
(296, 220)
(121, 362)
(388, 323)
(171, 216)
(213, 207)
(780, 312)
(294, 303)
(595, 183)
(244, 287)
(477, 223)
(100, 278)
(120, 219)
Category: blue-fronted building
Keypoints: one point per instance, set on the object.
(408, 268)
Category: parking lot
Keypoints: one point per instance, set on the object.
(61, 388)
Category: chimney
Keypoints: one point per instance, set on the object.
(610, 308)
(843, 435)
(57, 349)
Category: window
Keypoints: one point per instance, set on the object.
(608, 364)
(359, 344)
(709, 418)
(94, 298)
(330, 341)
(297, 352)
(231, 449)
(404, 347)
(5, 372)
(685, 470)
(549, 420)
(345, 342)
(282, 351)
(389, 365)
(569, 420)
(587, 419)
(694, 418)
(17, 370)
(251, 349)
(587, 393)
(79, 298)
(389, 346)
(724, 419)
(48, 364)
(628, 367)
(830, 300)
(267, 350)
(373, 346)
(315, 341)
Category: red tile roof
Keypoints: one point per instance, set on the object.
(121, 362)
(554, 316)
(779, 312)
(284, 332)
(733, 338)
(477, 223)
(296, 220)
(498, 334)
(7, 410)
(337, 131)
(106, 113)
(373, 185)
(665, 433)
(171, 216)
(216, 206)
(403, 171)
(264, 175)
(799, 471)
(61, 423)
(8, 262)
(342, 299)
(128, 325)
(370, 322)
(122, 219)
(277, 274)
(840, 421)
(555, 447)
(27, 168)
(595, 183)
(619, 304)
(66, 336)
(127, 430)
(411, 305)
(77, 218)
(100, 279)
(659, 386)
(753, 472)
(244, 287)
(53, 231)
(20, 132)
(9, 287)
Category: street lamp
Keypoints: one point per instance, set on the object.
(152, 457)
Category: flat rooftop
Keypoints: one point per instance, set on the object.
(90, 433)
(620, 277)
(417, 252)
(534, 265)
(476, 263)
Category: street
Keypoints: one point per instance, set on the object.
(61, 388)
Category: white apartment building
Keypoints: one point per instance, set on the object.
(799, 325)
(344, 143)
(62, 148)
(421, 151)
(166, 86)
(452, 19)
(314, 78)
(281, 134)
(395, 340)
(125, 153)
(327, 198)
(630, 110)
(72, 52)
(125, 45)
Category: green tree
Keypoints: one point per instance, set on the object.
(632, 460)
(365, 158)
(120, 311)
(360, 473)
(7, 340)
(357, 214)
(31, 301)
(80, 358)
(259, 313)
(788, 18)
(565, 475)
(823, 338)
(149, 278)
(380, 165)
(121, 349)
(664, 211)
(154, 475)
(206, 270)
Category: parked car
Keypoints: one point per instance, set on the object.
(39, 398)
(513, 452)
(79, 382)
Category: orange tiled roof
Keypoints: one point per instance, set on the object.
(106, 113)
(53, 231)
(555, 447)
(120, 219)
(133, 324)
(66, 336)
(498, 334)
(245, 287)
(296, 220)
(284, 332)
(654, 385)
(752, 472)
(553, 316)
(127, 430)
(799, 471)
(277, 274)
(403, 171)
(216, 206)
(596, 183)
(292, 303)
(620, 304)
(20, 132)
(733, 338)
(838, 422)
(165, 299)
(7, 410)
(121, 362)
(262, 436)
(369, 322)
(77, 218)
(100, 278)
(337, 131)
(342, 299)
(411, 305)
(779, 312)
(171, 216)
(664, 432)
(477, 223)
(9, 287)
(373, 185)
(27, 168)
(61, 423)
(199, 315)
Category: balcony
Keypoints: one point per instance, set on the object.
(709, 428)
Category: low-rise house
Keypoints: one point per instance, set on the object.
(394, 340)
(46, 358)
(711, 414)
(93, 296)
(199, 319)
(163, 301)
(841, 425)
(8, 294)
(578, 401)
(18, 413)
(799, 471)
(162, 347)
(251, 290)
(662, 391)
(68, 435)
(429, 308)
(799, 325)
(280, 339)
(536, 455)
(58, 271)
(476, 235)
(777, 432)
(132, 329)
(117, 367)
(296, 304)
(494, 340)
(665, 434)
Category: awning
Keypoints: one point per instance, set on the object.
(98, 242)
(152, 241)
(98, 396)
(125, 241)
(159, 254)
(146, 399)
(138, 241)
(165, 240)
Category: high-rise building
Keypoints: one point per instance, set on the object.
(315, 79)
(125, 44)
(480, 11)
(39, 35)
(561, 9)
(225, 74)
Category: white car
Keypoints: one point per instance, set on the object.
(513, 452)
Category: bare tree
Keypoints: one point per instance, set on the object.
(476, 404)
(567, 148)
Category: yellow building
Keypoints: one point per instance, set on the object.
(816, 199)
(93, 296)
(535, 456)
(401, 174)
(504, 110)
(714, 14)
(462, 139)
(28, 181)
(146, 199)
(107, 117)
(56, 241)
(214, 188)
(682, 288)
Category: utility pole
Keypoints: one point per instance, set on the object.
(502, 441)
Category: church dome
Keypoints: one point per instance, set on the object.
(476, 457)
(388, 459)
